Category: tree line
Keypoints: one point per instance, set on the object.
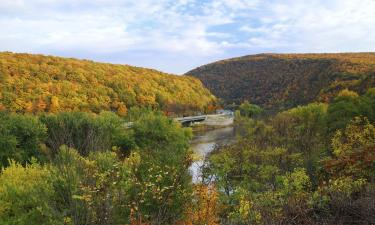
(313, 164)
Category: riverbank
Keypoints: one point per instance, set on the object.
(204, 128)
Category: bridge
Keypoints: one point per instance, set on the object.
(189, 120)
(211, 119)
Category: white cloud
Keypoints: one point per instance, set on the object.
(315, 26)
(181, 34)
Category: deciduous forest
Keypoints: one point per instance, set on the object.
(281, 81)
(37, 83)
(67, 156)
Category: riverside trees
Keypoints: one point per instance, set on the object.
(88, 169)
(293, 168)
(312, 164)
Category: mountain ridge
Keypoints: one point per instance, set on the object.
(278, 81)
(36, 83)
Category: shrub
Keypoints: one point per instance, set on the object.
(21, 138)
(26, 196)
(86, 132)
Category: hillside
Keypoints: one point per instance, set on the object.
(37, 83)
(277, 81)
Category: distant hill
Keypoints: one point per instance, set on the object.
(37, 83)
(277, 81)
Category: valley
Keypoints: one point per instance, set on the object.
(282, 139)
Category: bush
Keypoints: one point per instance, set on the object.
(250, 110)
(161, 138)
(162, 181)
(26, 196)
(348, 105)
(86, 132)
(21, 138)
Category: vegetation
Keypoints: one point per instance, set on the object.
(282, 81)
(98, 182)
(86, 132)
(21, 138)
(295, 168)
(249, 110)
(36, 84)
(74, 163)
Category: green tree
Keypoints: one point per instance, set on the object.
(86, 132)
(304, 130)
(250, 110)
(162, 138)
(344, 108)
(21, 138)
(162, 178)
(26, 195)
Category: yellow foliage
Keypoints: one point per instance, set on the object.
(347, 93)
(359, 133)
(52, 84)
(204, 211)
(54, 107)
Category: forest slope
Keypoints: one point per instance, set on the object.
(37, 83)
(277, 81)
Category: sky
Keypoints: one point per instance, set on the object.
(176, 36)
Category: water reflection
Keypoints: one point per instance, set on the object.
(204, 142)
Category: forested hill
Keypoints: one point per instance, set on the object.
(37, 83)
(277, 81)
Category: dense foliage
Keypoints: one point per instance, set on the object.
(282, 81)
(21, 138)
(44, 180)
(311, 164)
(300, 166)
(249, 110)
(86, 132)
(36, 83)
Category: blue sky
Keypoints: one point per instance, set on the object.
(178, 35)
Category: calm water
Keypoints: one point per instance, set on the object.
(204, 142)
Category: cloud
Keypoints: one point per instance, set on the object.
(317, 26)
(177, 35)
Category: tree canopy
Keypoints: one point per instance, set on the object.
(282, 81)
(37, 83)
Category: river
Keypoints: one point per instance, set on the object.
(204, 142)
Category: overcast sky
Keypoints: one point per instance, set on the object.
(178, 35)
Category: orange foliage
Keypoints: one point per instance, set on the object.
(122, 110)
(41, 105)
(204, 210)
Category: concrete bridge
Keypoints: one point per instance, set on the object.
(190, 120)
(210, 120)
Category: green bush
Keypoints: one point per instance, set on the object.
(21, 137)
(162, 179)
(250, 110)
(86, 132)
(348, 105)
(161, 138)
(26, 196)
